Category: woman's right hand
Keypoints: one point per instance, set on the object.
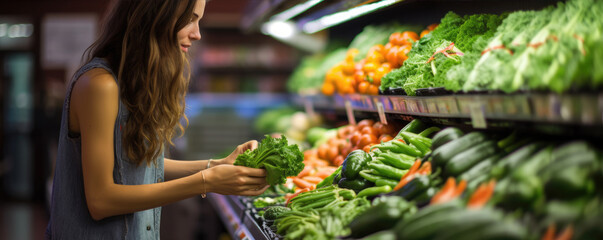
(235, 180)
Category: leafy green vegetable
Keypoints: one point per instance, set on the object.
(263, 202)
(462, 36)
(274, 212)
(276, 156)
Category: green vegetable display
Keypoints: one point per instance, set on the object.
(383, 215)
(276, 156)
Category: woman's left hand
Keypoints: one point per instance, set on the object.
(251, 145)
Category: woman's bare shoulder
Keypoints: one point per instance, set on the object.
(97, 82)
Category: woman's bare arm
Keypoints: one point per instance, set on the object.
(94, 103)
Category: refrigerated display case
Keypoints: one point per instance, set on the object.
(575, 114)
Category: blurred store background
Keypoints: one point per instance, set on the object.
(234, 77)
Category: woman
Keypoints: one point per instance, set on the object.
(120, 109)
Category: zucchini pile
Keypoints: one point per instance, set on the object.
(454, 185)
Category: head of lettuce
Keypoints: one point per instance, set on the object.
(276, 156)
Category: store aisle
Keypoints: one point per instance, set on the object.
(22, 220)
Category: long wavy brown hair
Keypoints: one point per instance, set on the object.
(139, 40)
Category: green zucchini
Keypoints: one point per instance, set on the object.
(570, 183)
(481, 168)
(508, 230)
(504, 166)
(588, 158)
(463, 230)
(445, 136)
(570, 149)
(444, 153)
(428, 228)
(467, 159)
(431, 211)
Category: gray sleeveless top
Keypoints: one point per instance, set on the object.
(69, 216)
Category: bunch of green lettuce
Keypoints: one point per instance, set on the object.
(465, 32)
(276, 156)
(557, 48)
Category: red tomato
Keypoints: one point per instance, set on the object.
(364, 123)
(385, 138)
(338, 160)
(343, 144)
(322, 151)
(332, 152)
(368, 130)
(355, 138)
(347, 150)
(377, 127)
(367, 139)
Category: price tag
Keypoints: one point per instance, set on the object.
(381, 112)
(350, 112)
(478, 120)
(309, 107)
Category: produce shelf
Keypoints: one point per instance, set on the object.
(236, 217)
(585, 109)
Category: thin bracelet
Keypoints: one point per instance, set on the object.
(208, 161)
(204, 193)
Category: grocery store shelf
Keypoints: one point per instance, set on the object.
(238, 221)
(325, 14)
(581, 109)
(248, 70)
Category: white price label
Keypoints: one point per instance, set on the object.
(350, 112)
(381, 112)
(478, 119)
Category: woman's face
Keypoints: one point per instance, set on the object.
(190, 32)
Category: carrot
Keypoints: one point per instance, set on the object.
(446, 193)
(407, 177)
(567, 233)
(307, 170)
(312, 179)
(301, 183)
(482, 195)
(550, 232)
(425, 169)
(297, 192)
(460, 188)
(323, 174)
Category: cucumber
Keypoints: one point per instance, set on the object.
(570, 149)
(428, 228)
(588, 158)
(570, 183)
(467, 159)
(503, 230)
(444, 153)
(445, 136)
(504, 166)
(383, 235)
(429, 212)
(481, 168)
(464, 229)
(539, 160)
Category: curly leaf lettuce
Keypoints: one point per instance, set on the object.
(276, 156)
